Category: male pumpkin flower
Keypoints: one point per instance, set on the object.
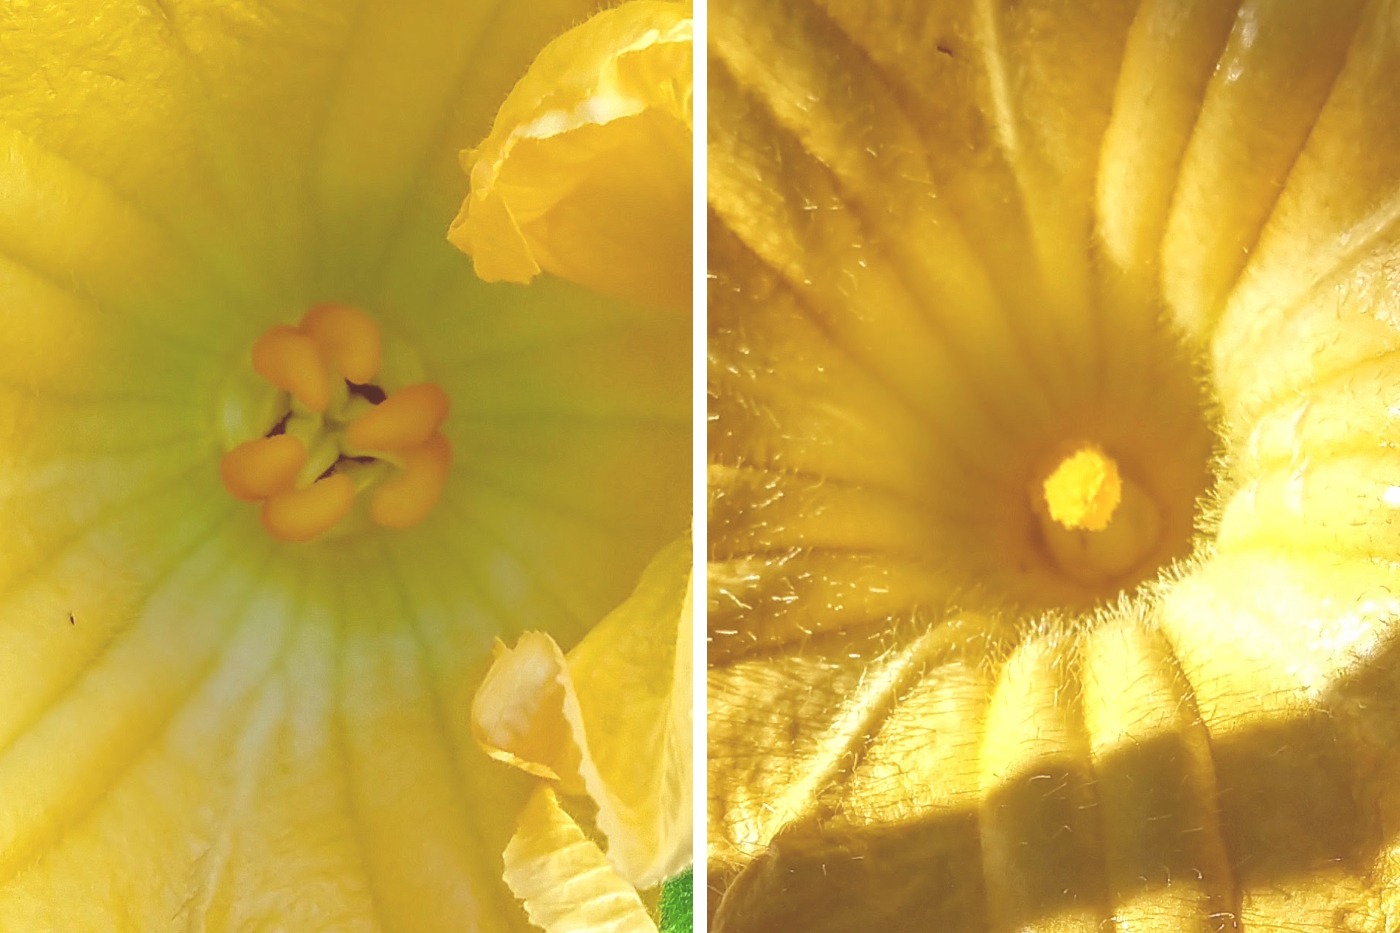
(278, 467)
(1053, 471)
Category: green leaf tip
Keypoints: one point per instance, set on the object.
(677, 898)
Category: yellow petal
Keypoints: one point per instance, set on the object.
(517, 715)
(564, 879)
(632, 675)
(586, 172)
(616, 719)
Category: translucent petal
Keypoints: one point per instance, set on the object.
(586, 172)
(612, 721)
(563, 878)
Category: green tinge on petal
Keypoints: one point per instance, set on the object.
(611, 721)
(586, 172)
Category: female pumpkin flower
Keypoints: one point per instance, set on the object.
(278, 467)
(1053, 576)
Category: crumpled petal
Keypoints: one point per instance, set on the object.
(564, 878)
(611, 720)
(586, 173)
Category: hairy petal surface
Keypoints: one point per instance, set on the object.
(943, 235)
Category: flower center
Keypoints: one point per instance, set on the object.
(1096, 524)
(328, 429)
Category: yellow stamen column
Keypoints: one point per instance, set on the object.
(339, 433)
(1096, 524)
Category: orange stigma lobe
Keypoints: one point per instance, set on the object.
(303, 514)
(348, 338)
(408, 498)
(259, 468)
(291, 361)
(403, 420)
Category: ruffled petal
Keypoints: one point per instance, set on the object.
(612, 721)
(566, 882)
(586, 173)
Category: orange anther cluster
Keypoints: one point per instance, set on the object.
(309, 468)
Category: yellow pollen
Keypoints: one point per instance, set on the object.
(290, 360)
(343, 436)
(259, 468)
(303, 514)
(348, 337)
(1083, 492)
(402, 421)
(408, 498)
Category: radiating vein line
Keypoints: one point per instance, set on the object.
(53, 697)
(102, 516)
(202, 260)
(92, 302)
(844, 741)
(12, 862)
(543, 583)
(802, 303)
(486, 884)
(163, 13)
(898, 93)
(544, 504)
(864, 216)
(442, 132)
(195, 908)
(341, 743)
(313, 183)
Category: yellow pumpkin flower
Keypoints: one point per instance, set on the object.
(1053, 575)
(278, 468)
